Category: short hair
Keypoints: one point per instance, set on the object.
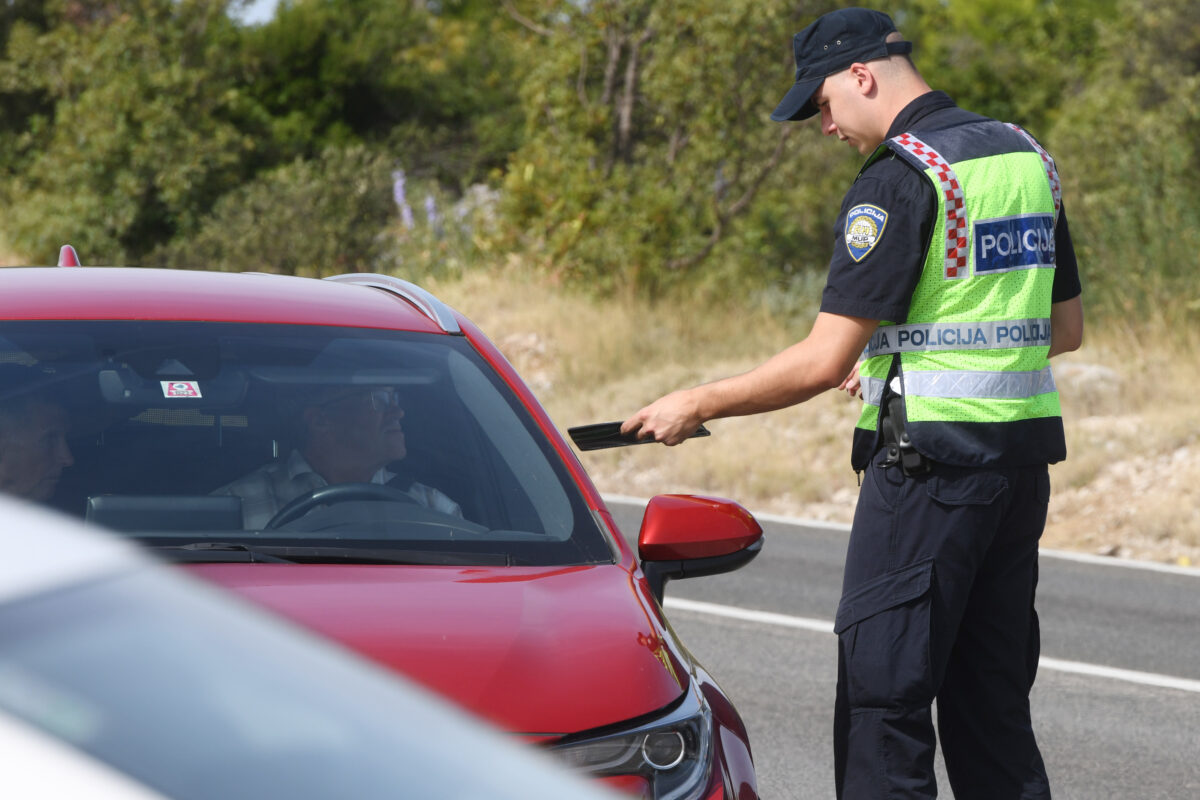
(899, 59)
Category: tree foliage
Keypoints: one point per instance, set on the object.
(311, 217)
(329, 72)
(137, 128)
(19, 104)
(623, 143)
(1014, 60)
(1129, 146)
(127, 120)
(648, 149)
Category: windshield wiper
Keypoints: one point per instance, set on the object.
(255, 555)
(317, 554)
(322, 554)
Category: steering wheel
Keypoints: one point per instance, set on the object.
(336, 493)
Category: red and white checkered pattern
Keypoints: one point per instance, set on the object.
(1048, 163)
(957, 249)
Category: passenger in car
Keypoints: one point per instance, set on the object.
(344, 435)
(33, 436)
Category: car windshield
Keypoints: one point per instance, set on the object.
(230, 441)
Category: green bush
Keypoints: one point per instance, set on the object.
(649, 161)
(432, 79)
(314, 218)
(124, 122)
(138, 125)
(1131, 163)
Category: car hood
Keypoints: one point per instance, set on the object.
(538, 651)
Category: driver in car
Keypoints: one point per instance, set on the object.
(345, 435)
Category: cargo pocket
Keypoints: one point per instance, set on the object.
(967, 489)
(884, 630)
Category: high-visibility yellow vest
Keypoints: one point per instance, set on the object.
(970, 358)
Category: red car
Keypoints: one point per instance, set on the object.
(357, 456)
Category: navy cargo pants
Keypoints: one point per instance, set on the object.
(938, 603)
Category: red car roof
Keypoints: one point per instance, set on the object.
(164, 294)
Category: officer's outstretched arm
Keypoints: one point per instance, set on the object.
(820, 362)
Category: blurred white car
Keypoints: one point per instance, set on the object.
(120, 678)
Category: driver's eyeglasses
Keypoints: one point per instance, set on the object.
(380, 399)
(383, 399)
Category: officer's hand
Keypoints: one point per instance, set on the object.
(852, 385)
(669, 420)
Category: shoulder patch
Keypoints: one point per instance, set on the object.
(864, 229)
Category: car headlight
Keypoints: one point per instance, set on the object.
(671, 753)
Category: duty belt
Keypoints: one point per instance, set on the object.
(899, 447)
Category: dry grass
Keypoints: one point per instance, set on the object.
(1131, 486)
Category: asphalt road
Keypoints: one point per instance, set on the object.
(1116, 705)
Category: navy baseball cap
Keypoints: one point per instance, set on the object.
(831, 44)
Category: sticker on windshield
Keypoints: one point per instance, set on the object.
(180, 388)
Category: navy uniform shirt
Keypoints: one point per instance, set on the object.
(880, 286)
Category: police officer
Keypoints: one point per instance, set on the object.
(953, 276)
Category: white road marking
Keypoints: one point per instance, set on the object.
(747, 615)
(825, 626)
(1113, 561)
(1128, 675)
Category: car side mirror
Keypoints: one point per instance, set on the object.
(686, 536)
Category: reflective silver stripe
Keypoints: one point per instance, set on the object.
(925, 336)
(872, 390)
(963, 384)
